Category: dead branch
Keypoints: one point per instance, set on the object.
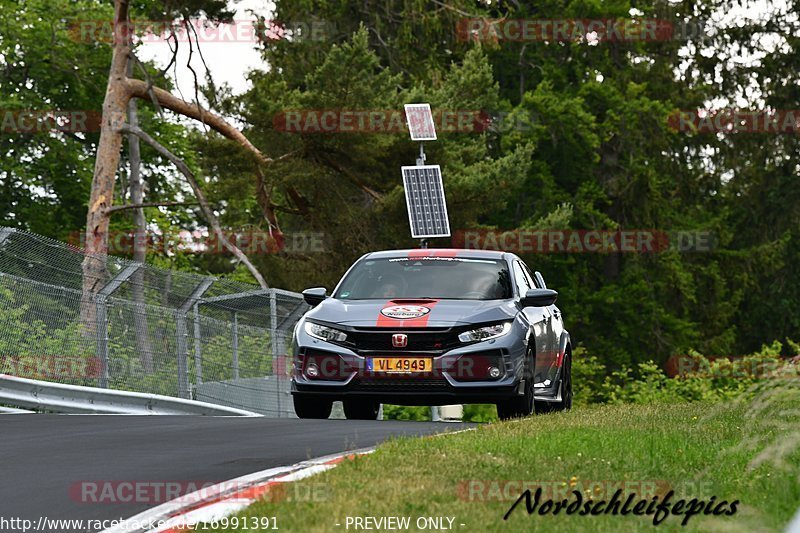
(139, 89)
(115, 208)
(203, 202)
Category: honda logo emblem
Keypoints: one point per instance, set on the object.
(399, 340)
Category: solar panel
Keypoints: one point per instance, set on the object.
(420, 122)
(427, 210)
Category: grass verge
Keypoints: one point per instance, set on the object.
(735, 451)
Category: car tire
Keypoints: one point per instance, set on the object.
(566, 390)
(310, 407)
(361, 410)
(520, 406)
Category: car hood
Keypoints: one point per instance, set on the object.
(406, 313)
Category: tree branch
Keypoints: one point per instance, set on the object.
(204, 205)
(115, 208)
(331, 163)
(139, 89)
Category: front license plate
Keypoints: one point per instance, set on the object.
(399, 365)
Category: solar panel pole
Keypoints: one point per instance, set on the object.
(423, 243)
(421, 159)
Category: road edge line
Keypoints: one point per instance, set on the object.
(242, 490)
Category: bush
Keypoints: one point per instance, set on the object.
(699, 378)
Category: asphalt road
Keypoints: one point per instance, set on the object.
(57, 466)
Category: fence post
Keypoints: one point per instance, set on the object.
(101, 316)
(101, 331)
(182, 332)
(273, 343)
(5, 233)
(235, 343)
(198, 354)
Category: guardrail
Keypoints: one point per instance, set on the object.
(13, 411)
(61, 398)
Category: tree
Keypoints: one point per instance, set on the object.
(44, 175)
(120, 90)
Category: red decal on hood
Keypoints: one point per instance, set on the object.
(418, 311)
(424, 252)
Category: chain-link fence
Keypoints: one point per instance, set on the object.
(79, 319)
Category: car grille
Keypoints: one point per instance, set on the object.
(429, 340)
(385, 384)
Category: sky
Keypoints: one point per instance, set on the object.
(228, 61)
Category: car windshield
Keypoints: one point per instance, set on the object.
(427, 277)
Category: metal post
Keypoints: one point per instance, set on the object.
(101, 319)
(181, 334)
(273, 331)
(183, 371)
(5, 233)
(101, 329)
(235, 343)
(198, 354)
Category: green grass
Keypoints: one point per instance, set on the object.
(734, 451)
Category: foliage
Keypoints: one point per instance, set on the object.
(583, 141)
(728, 451)
(42, 339)
(698, 378)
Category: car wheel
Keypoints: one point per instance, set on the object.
(305, 407)
(520, 406)
(566, 391)
(361, 410)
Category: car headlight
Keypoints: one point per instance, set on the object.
(324, 332)
(485, 333)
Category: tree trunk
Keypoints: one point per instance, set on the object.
(116, 99)
(136, 189)
(119, 90)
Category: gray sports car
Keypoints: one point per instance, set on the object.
(432, 327)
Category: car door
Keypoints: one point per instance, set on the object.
(556, 324)
(539, 320)
(547, 368)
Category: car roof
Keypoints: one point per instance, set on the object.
(438, 252)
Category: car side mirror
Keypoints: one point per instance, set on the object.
(315, 296)
(539, 298)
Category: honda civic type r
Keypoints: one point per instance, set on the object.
(432, 327)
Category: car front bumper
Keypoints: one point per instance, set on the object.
(456, 376)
